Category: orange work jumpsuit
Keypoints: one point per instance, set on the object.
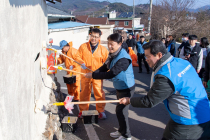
(93, 61)
(137, 37)
(73, 89)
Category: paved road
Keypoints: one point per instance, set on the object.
(145, 124)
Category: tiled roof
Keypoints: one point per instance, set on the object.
(90, 20)
(54, 11)
(102, 21)
(82, 19)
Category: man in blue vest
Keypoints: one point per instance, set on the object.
(140, 53)
(175, 82)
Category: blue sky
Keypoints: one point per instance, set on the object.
(198, 3)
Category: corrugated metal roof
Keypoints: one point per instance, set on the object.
(66, 24)
(56, 12)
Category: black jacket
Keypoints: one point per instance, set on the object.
(161, 89)
(207, 68)
(194, 54)
(172, 50)
(131, 43)
(104, 73)
(125, 46)
(184, 44)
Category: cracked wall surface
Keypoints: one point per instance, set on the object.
(23, 95)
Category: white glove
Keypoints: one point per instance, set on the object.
(83, 66)
(71, 67)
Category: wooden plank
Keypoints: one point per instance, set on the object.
(89, 112)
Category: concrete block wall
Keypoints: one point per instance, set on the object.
(23, 29)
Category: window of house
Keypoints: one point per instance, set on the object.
(126, 23)
(116, 23)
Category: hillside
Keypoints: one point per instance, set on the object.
(120, 7)
(80, 7)
(90, 7)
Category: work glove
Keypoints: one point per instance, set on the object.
(71, 67)
(83, 66)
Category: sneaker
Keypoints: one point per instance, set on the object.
(115, 134)
(123, 138)
(80, 115)
(102, 116)
(140, 71)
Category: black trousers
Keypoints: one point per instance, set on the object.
(122, 112)
(175, 131)
(140, 58)
(201, 73)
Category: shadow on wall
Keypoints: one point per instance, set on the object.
(22, 3)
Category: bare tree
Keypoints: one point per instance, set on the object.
(172, 17)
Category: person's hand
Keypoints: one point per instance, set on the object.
(205, 84)
(88, 75)
(125, 101)
(187, 56)
(71, 67)
(179, 50)
(198, 71)
(83, 66)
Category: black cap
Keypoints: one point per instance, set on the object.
(142, 36)
(185, 34)
(193, 37)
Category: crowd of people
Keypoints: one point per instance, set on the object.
(174, 81)
(191, 50)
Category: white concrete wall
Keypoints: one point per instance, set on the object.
(23, 28)
(77, 36)
(106, 31)
(112, 14)
(137, 21)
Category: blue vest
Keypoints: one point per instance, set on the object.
(125, 79)
(140, 47)
(189, 104)
(169, 48)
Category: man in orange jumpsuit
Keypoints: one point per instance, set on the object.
(67, 49)
(94, 55)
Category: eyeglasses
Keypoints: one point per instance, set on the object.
(96, 37)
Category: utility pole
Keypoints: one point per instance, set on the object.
(133, 16)
(150, 15)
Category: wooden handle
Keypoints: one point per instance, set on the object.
(75, 61)
(96, 102)
(88, 102)
(70, 58)
(74, 71)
